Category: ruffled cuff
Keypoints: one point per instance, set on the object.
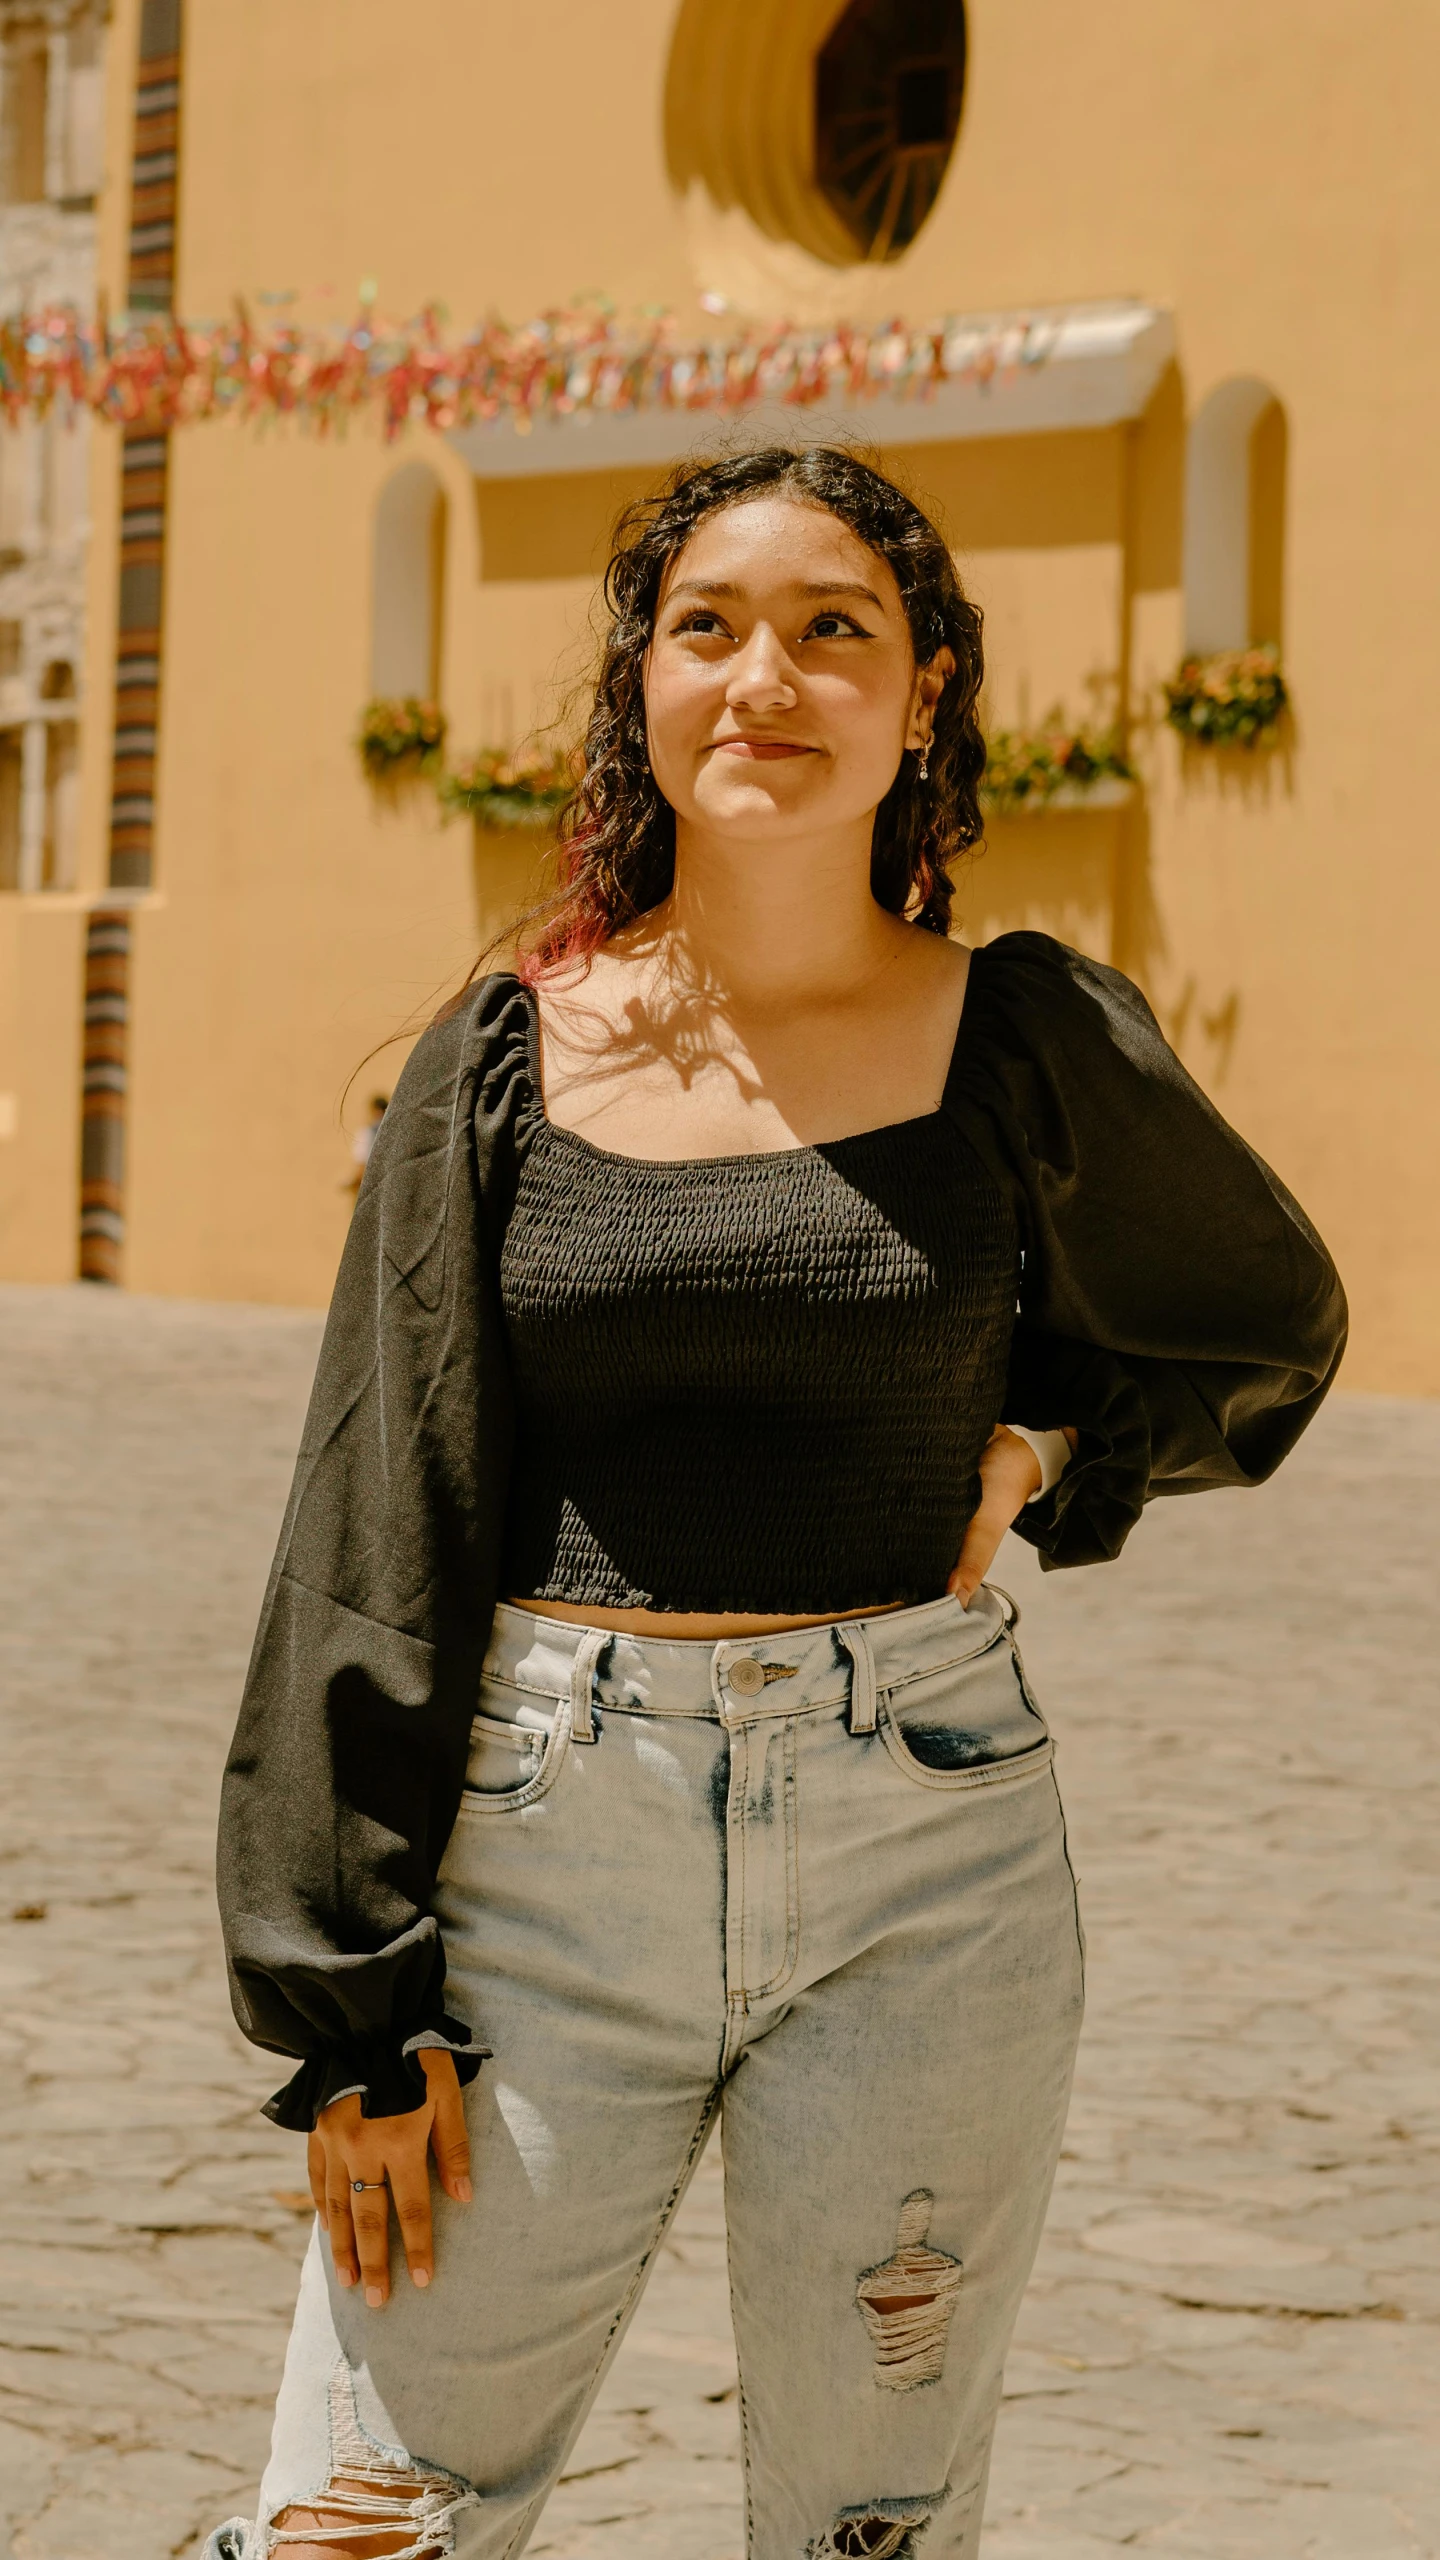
(1086, 1517)
(388, 2076)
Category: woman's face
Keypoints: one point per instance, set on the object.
(781, 687)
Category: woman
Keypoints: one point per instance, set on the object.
(629, 1709)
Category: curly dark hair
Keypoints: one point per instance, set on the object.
(617, 835)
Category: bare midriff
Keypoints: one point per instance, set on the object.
(677, 1624)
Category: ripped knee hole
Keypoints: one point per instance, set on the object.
(360, 2516)
(886, 2529)
(378, 2504)
(907, 2305)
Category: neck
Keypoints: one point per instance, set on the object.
(770, 924)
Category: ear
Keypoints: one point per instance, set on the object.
(930, 683)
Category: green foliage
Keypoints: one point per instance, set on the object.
(400, 741)
(1025, 768)
(1233, 699)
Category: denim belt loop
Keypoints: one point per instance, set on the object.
(862, 1678)
(582, 1683)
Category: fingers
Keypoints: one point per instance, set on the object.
(329, 2181)
(370, 2213)
(338, 2221)
(315, 2172)
(449, 2134)
(1009, 1469)
(977, 1554)
(1009, 1474)
(410, 2189)
(359, 2166)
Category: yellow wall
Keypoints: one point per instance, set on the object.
(1268, 176)
(41, 947)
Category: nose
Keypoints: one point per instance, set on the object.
(762, 678)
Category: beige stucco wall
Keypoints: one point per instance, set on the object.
(1269, 177)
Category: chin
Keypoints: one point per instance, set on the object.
(755, 803)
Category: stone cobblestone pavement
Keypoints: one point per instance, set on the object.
(1232, 2342)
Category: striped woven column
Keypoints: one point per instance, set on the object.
(156, 166)
(144, 467)
(102, 1137)
(145, 457)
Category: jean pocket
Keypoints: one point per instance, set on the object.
(969, 1724)
(517, 1743)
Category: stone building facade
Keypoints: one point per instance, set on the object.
(52, 68)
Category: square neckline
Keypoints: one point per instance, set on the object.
(746, 1155)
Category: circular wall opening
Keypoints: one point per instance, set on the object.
(828, 123)
(889, 84)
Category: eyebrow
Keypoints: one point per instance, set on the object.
(811, 588)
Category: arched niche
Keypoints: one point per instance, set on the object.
(407, 585)
(828, 123)
(1235, 518)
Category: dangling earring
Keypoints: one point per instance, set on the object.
(924, 767)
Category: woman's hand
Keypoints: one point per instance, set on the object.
(1009, 1474)
(389, 2154)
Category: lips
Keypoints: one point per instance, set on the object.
(761, 750)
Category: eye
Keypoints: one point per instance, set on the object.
(700, 623)
(836, 626)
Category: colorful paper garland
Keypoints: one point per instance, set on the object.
(164, 372)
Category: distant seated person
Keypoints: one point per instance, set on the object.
(365, 1137)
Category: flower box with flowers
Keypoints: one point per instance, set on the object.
(1028, 771)
(498, 789)
(400, 741)
(1233, 698)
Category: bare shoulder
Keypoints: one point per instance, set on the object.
(936, 970)
(582, 1004)
(913, 1018)
(943, 955)
(957, 957)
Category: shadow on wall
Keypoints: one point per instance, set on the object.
(557, 525)
(1083, 875)
(1155, 508)
(407, 585)
(1039, 526)
(1014, 493)
(1086, 877)
(1044, 874)
(510, 870)
(1245, 777)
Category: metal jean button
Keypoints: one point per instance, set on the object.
(747, 1677)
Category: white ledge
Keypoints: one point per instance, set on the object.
(1110, 792)
(1088, 364)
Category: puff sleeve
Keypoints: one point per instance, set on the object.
(348, 1760)
(1176, 1304)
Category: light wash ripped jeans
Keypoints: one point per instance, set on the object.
(816, 1883)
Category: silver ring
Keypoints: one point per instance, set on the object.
(367, 2186)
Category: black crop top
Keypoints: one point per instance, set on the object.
(759, 1382)
(1175, 1307)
